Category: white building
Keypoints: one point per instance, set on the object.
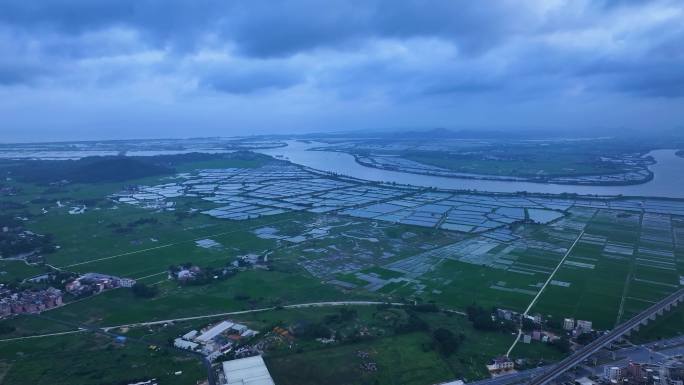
(190, 335)
(584, 326)
(214, 331)
(250, 370)
(249, 333)
(584, 381)
(183, 344)
(569, 323)
(500, 364)
(612, 373)
(239, 328)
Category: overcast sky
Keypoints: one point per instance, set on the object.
(91, 69)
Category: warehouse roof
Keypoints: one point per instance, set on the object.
(247, 371)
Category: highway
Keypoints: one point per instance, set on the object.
(579, 356)
(638, 353)
(513, 378)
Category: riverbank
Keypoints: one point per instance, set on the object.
(621, 179)
(668, 171)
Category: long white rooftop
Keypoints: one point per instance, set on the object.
(214, 331)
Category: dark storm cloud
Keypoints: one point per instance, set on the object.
(262, 30)
(306, 58)
(268, 28)
(241, 81)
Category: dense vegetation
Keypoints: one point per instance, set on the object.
(15, 240)
(98, 169)
(482, 320)
(85, 170)
(144, 291)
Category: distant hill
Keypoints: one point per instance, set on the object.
(433, 133)
(495, 133)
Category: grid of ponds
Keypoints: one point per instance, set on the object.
(244, 193)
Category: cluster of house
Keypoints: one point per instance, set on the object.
(577, 327)
(574, 328)
(215, 340)
(667, 373)
(251, 260)
(671, 373)
(93, 283)
(190, 273)
(182, 273)
(28, 301)
(500, 365)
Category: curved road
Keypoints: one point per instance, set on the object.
(238, 312)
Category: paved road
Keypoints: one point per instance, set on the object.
(295, 306)
(43, 335)
(541, 290)
(216, 315)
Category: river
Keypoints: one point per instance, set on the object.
(668, 180)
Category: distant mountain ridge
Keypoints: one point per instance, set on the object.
(445, 133)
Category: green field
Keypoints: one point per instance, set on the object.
(624, 261)
(87, 359)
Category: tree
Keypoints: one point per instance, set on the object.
(562, 344)
(6, 329)
(447, 343)
(413, 324)
(347, 314)
(144, 291)
(481, 319)
(528, 325)
(425, 308)
(585, 338)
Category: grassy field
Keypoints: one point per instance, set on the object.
(88, 359)
(530, 164)
(264, 288)
(669, 325)
(17, 270)
(401, 359)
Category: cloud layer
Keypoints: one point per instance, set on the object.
(150, 68)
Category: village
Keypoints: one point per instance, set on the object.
(217, 340)
(41, 295)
